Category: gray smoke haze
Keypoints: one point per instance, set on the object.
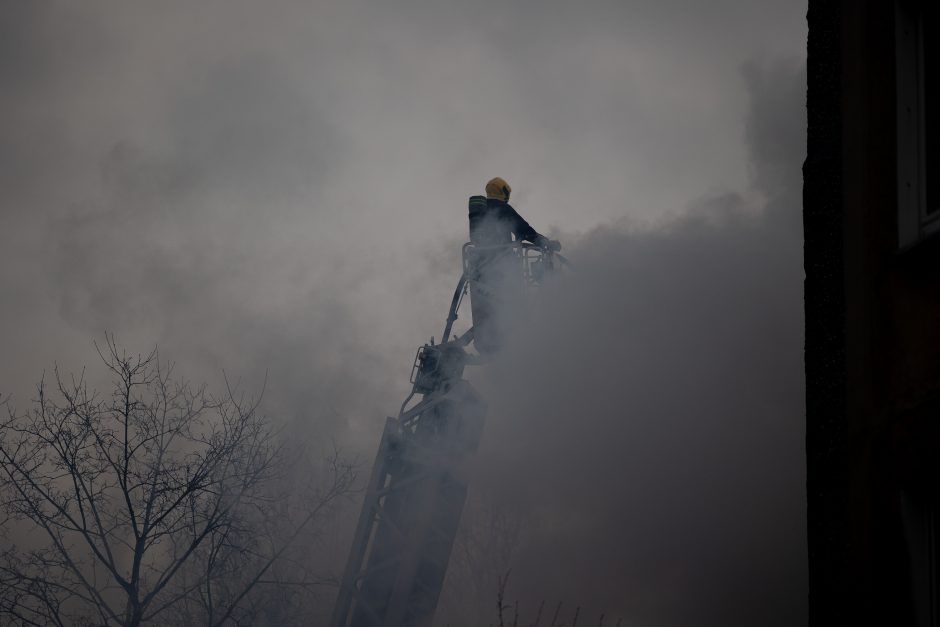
(644, 447)
(281, 189)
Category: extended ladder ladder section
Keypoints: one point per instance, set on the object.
(418, 486)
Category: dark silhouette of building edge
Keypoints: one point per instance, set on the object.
(872, 313)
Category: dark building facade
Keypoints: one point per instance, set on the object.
(872, 297)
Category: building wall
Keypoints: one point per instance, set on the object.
(872, 328)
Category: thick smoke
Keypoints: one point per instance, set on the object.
(644, 450)
(280, 191)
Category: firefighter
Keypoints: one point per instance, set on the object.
(498, 221)
(496, 276)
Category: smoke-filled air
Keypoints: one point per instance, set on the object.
(229, 226)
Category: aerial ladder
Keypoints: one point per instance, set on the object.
(416, 492)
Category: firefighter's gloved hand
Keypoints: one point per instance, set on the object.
(554, 245)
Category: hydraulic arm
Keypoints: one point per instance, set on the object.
(418, 486)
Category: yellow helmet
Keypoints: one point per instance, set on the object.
(498, 188)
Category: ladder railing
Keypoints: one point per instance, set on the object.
(410, 514)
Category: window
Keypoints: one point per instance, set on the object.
(918, 120)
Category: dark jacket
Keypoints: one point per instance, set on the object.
(498, 222)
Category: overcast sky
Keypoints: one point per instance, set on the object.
(281, 187)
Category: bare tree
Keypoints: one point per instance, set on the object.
(155, 502)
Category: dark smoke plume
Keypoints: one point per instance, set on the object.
(644, 449)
